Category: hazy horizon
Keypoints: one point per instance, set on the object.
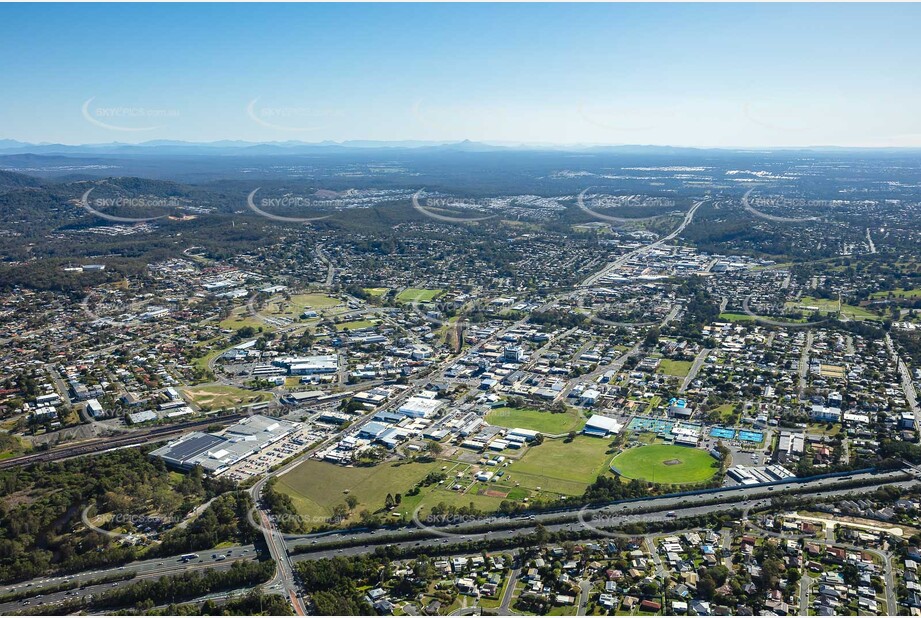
(686, 75)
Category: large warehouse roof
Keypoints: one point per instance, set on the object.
(214, 452)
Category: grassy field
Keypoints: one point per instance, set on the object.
(727, 413)
(536, 420)
(824, 305)
(579, 461)
(376, 291)
(356, 325)
(281, 308)
(298, 304)
(555, 468)
(317, 486)
(677, 368)
(898, 293)
(418, 295)
(214, 397)
(648, 463)
(736, 317)
(239, 318)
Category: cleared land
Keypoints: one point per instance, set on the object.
(824, 305)
(214, 397)
(418, 295)
(316, 487)
(289, 309)
(555, 468)
(736, 317)
(294, 307)
(666, 464)
(549, 423)
(356, 325)
(679, 368)
(898, 293)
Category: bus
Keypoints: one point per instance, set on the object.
(188, 557)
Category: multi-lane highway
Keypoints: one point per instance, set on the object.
(620, 261)
(144, 569)
(596, 519)
(288, 549)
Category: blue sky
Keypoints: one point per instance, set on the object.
(679, 74)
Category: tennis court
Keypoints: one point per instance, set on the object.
(751, 436)
(722, 433)
(654, 425)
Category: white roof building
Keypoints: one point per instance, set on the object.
(420, 407)
(600, 425)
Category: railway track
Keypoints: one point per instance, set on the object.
(104, 444)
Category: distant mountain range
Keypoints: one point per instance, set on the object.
(237, 147)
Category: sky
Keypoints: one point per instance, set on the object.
(705, 75)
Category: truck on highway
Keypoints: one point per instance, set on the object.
(188, 557)
(671, 514)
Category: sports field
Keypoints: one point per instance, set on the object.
(561, 466)
(666, 464)
(418, 295)
(547, 423)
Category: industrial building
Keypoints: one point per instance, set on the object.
(215, 452)
(309, 365)
(420, 407)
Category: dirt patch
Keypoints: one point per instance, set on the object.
(673, 462)
(492, 493)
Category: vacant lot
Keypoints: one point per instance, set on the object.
(239, 318)
(215, 397)
(898, 293)
(666, 464)
(417, 295)
(679, 368)
(823, 305)
(294, 307)
(536, 420)
(555, 468)
(356, 325)
(317, 486)
(736, 317)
